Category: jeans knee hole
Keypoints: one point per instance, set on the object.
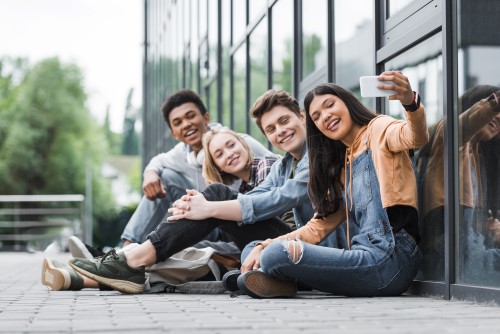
(294, 249)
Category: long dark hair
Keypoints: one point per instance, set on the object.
(326, 156)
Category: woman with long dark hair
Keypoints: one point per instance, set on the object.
(360, 172)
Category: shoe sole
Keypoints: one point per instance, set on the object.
(77, 249)
(55, 278)
(259, 285)
(120, 285)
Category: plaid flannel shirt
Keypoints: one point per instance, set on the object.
(258, 172)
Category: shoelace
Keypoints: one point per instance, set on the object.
(110, 253)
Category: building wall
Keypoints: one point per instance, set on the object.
(231, 51)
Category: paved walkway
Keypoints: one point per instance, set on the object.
(26, 306)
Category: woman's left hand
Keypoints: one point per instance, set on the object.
(252, 261)
(401, 86)
(193, 206)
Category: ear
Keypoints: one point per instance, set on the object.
(302, 117)
(206, 116)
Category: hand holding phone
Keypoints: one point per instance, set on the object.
(369, 88)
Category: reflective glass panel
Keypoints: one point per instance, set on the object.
(258, 70)
(194, 45)
(282, 47)
(239, 19)
(423, 66)
(226, 45)
(213, 22)
(256, 8)
(314, 35)
(478, 228)
(239, 89)
(354, 45)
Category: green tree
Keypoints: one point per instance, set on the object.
(49, 135)
(114, 139)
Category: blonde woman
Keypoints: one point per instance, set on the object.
(230, 159)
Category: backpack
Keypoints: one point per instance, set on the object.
(192, 270)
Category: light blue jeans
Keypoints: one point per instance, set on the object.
(149, 214)
(380, 262)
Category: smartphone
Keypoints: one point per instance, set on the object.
(369, 88)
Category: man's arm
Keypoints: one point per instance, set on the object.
(152, 185)
(275, 196)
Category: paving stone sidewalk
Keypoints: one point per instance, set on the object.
(26, 306)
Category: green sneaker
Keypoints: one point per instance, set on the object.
(112, 270)
(60, 276)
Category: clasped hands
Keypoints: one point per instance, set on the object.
(193, 205)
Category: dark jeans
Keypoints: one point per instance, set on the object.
(172, 237)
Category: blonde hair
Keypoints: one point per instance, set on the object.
(211, 171)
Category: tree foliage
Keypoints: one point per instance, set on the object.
(47, 135)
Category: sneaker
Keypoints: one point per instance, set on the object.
(112, 270)
(60, 276)
(256, 284)
(80, 250)
(229, 280)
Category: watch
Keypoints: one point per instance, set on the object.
(414, 105)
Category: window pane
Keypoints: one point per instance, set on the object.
(239, 19)
(194, 45)
(479, 143)
(314, 35)
(258, 70)
(282, 46)
(423, 66)
(239, 73)
(226, 41)
(213, 19)
(354, 45)
(212, 101)
(256, 7)
(203, 18)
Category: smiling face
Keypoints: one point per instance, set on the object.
(188, 124)
(285, 130)
(229, 154)
(331, 116)
(490, 130)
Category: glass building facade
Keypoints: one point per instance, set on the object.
(231, 51)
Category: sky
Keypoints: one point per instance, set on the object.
(103, 37)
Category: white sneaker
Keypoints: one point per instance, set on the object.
(78, 249)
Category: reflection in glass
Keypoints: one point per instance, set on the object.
(203, 18)
(314, 35)
(239, 89)
(354, 45)
(226, 45)
(213, 19)
(258, 70)
(255, 8)
(239, 19)
(423, 66)
(479, 139)
(203, 67)
(282, 44)
(212, 101)
(194, 46)
(396, 5)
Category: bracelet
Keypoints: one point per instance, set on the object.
(414, 105)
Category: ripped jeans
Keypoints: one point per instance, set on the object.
(331, 269)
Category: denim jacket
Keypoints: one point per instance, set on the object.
(279, 194)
